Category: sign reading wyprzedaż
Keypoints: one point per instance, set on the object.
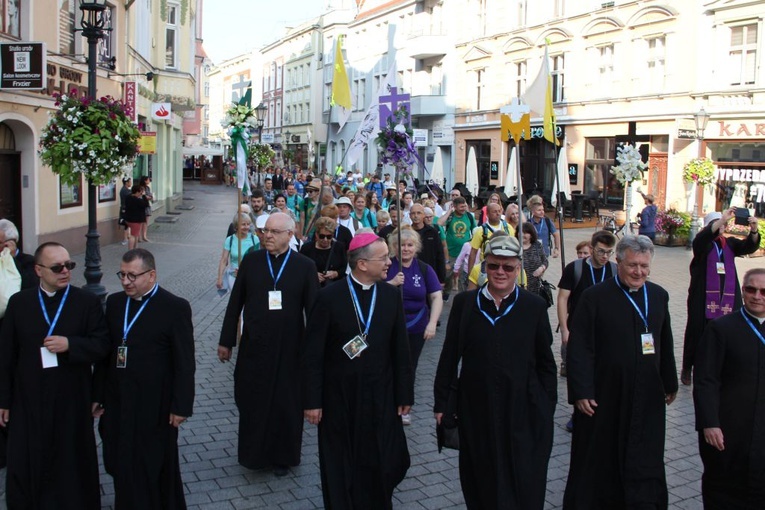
(23, 65)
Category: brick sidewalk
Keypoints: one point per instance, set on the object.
(187, 254)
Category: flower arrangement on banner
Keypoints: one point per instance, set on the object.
(239, 120)
(631, 166)
(260, 154)
(673, 222)
(699, 170)
(90, 137)
(395, 140)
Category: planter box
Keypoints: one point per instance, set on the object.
(665, 240)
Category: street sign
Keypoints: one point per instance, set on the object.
(23, 65)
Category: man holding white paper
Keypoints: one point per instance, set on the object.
(51, 336)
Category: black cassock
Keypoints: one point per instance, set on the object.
(362, 446)
(697, 321)
(267, 375)
(729, 392)
(140, 446)
(507, 391)
(617, 455)
(52, 460)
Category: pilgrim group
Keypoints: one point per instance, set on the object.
(331, 298)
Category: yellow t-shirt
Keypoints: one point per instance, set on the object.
(477, 241)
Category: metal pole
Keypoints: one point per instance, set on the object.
(93, 272)
(559, 210)
(694, 196)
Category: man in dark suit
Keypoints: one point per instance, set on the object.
(144, 389)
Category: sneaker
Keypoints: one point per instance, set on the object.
(570, 425)
(563, 372)
(406, 419)
(124, 242)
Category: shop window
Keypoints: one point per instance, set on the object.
(599, 158)
(483, 156)
(11, 17)
(557, 78)
(171, 36)
(743, 54)
(605, 67)
(656, 57)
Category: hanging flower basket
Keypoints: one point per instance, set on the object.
(90, 137)
(700, 170)
(631, 166)
(395, 140)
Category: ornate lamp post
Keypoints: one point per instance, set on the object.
(93, 29)
(261, 110)
(701, 118)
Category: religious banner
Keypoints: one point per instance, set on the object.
(515, 121)
(390, 104)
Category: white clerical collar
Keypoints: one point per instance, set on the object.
(487, 295)
(140, 298)
(364, 286)
(49, 294)
(759, 319)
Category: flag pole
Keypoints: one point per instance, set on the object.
(519, 233)
(559, 210)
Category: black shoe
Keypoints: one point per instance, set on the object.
(281, 471)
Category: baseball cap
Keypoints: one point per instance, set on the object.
(502, 246)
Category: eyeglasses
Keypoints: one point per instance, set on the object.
(326, 237)
(383, 259)
(59, 268)
(754, 290)
(508, 268)
(599, 251)
(130, 276)
(274, 231)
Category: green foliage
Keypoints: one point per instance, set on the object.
(260, 154)
(163, 10)
(184, 11)
(700, 171)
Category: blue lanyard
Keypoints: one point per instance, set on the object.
(494, 321)
(125, 326)
(592, 272)
(357, 305)
(751, 325)
(271, 267)
(634, 304)
(58, 312)
(719, 251)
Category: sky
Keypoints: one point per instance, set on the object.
(232, 27)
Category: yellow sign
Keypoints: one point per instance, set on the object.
(147, 144)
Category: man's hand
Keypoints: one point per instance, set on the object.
(670, 397)
(312, 416)
(224, 353)
(714, 437)
(586, 406)
(555, 252)
(564, 335)
(176, 420)
(96, 410)
(404, 410)
(56, 344)
(5, 417)
(439, 417)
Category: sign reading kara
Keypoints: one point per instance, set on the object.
(23, 66)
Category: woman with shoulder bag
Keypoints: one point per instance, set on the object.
(243, 240)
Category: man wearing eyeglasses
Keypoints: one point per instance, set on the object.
(358, 381)
(728, 383)
(51, 336)
(507, 389)
(621, 378)
(144, 389)
(275, 287)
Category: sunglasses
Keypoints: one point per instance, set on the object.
(508, 268)
(325, 236)
(754, 290)
(130, 276)
(59, 268)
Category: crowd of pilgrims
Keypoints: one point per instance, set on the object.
(333, 288)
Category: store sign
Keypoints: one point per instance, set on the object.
(147, 143)
(267, 138)
(443, 132)
(23, 66)
(420, 137)
(740, 174)
(686, 129)
(737, 129)
(130, 97)
(161, 111)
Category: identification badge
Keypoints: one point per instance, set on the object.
(274, 300)
(720, 267)
(646, 339)
(355, 346)
(49, 359)
(122, 356)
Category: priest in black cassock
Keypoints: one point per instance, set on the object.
(713, 291)
(276, 287)
(358, 381)
(507, 387)
(50, 338)
(621, 377)
(728, 389)
(144, 389)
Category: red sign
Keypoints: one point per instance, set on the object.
(130, 93)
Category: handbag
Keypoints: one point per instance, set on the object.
(448, 432)
(546, 292)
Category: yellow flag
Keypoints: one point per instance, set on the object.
(549, 116)
(341, 87)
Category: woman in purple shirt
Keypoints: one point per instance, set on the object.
(421, 291)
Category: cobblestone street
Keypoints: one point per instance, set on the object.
(187, 255)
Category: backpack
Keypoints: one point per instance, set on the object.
(251, 249)
(502, 224)
(579, 267)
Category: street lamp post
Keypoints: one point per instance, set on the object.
(261, 110)
(701, 118)
(93, 30)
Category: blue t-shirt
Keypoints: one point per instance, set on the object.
(545, 229)
(231, 245)
(417, 287)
